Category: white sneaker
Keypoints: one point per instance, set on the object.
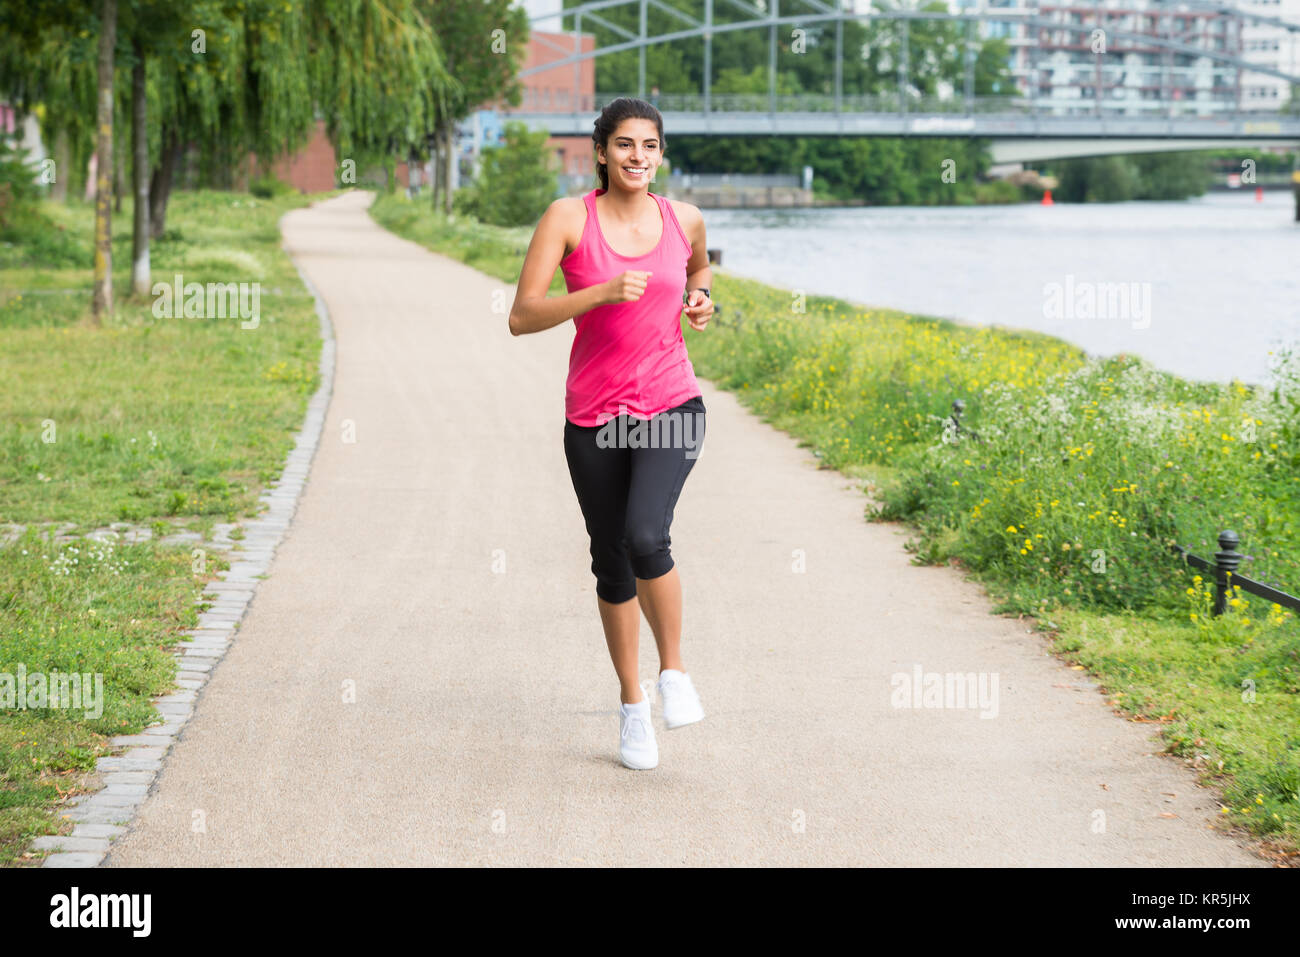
(681, 702)
(636, 736)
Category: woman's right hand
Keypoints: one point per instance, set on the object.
(626, 287)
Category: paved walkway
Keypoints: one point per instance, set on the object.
(484, 727)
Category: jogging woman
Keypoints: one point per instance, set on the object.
(634, 415)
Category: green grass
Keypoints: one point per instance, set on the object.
(1229, 707)
(112, 613)
(495, 250)
(155, 417)
(155, 421)
(1087, 471)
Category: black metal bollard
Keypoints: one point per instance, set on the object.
(1226, 561)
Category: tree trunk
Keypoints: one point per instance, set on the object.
(103, 299)
(62, 167)
(160, 187)
(140, 283)
(119, 164)
(435, 183)
(449, 152)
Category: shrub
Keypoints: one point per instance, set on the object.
(516, 183)
(269, 187)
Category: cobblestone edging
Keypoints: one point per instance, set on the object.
(105, 814)
(124, 532)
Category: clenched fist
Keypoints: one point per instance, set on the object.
(626, 287)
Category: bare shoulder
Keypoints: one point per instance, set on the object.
(568, 206)
(687, 214)
(566, 217)
(566, 211)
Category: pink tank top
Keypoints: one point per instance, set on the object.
(628, 356)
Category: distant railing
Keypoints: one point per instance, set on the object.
(570, 184)
(547, 100)
(739, 180)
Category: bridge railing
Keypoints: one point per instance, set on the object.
(557, 101)
(739, 180)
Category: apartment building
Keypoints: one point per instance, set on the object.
(1077, 57)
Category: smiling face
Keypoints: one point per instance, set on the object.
(632, 154)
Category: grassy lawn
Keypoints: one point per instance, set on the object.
(169, 423)
(1083, 474)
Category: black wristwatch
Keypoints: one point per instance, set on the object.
(703, 289)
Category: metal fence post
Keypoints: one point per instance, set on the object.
(958, 407)
(1225, 562)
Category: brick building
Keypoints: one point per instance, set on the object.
(563, 89)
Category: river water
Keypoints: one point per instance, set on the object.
(1202, 288)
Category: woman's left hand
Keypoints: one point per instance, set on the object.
(698, 309)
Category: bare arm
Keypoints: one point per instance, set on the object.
(533, 310)
(698, 274)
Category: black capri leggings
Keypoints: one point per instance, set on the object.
(627, 481)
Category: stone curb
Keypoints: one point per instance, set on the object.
(105, 814)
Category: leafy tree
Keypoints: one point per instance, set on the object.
(378, 73)
(1109, 179)
(1292, 106)
(17, 183)
(735, 80)
(1096, 179)
(1172, 175)
(517, 181)
(484, 44)
(991, 76)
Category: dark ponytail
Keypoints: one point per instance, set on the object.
(614, 113)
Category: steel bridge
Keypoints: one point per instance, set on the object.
(1020, 128)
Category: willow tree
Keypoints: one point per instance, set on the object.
(378, 76)
(47, 68)
(226, 77)
(370, 69)
(28, 37)
(257, 74)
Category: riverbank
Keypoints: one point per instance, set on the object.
(1087, 471)
(128, 453)
(1155, 279)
